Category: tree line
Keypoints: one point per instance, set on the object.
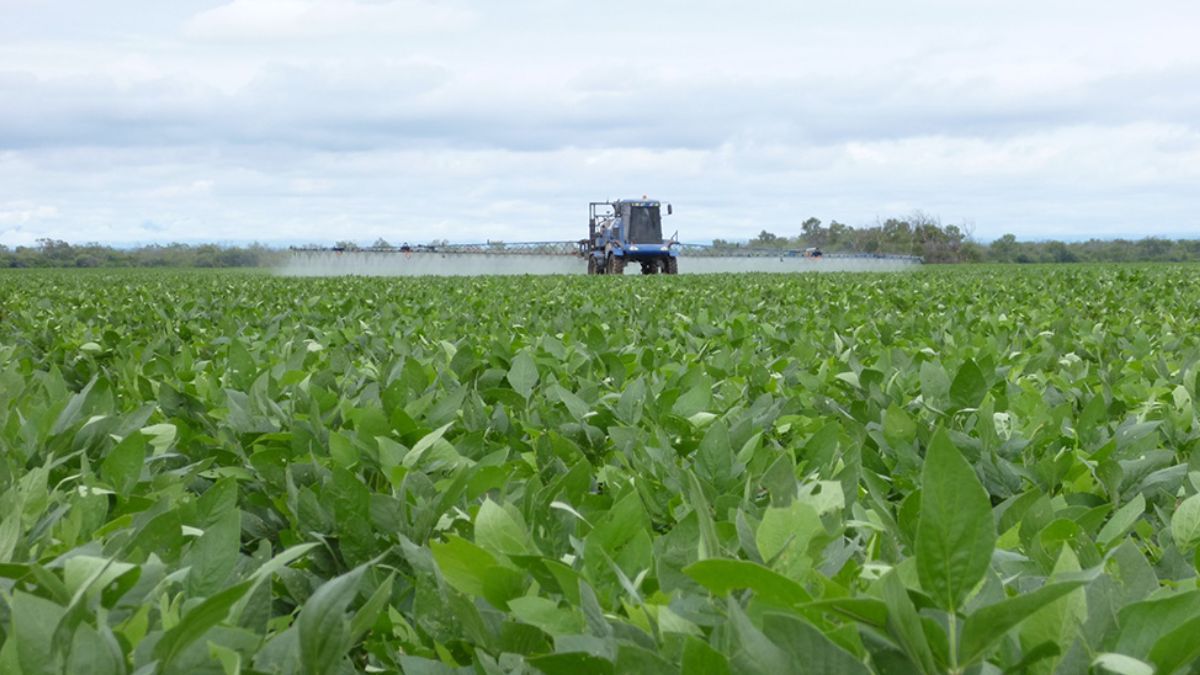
(57, 253)
(917, 235)
(926, 237)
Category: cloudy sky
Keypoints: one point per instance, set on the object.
(316, 120)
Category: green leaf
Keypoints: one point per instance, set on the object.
(720, 576)
(1059, 619)
(546, 615)
(32, 632)
(1120, 664)
(214, 555)
(863, 610)
(1122, 520)
(11, 529)
(92, 653)
(1185, 523)
(696, 399)
(710, 544)
(1144, 623)
(325, 634)
(1178, 648)
(956, 534)
(523, 374)
(969, 387)
(269, 568)
(123, 466)
(784, 537)
(810, 647)
(904, 624)
(230, 660)
(988, 624)
(898, 426)
(160, 436)
(699, 657)
(423, 446)
(366, 615)
(196, 623)
(569, 663)
(499, 531)
(754, 653)
(935, 383)
(575, 405)
(163, 535)
(462, 563)
(714, 457)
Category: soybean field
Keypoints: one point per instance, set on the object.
(963, 470)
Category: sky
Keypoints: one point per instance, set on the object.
(312, 121)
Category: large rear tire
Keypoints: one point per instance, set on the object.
(672, 265)
(593, 268)
(616, 265)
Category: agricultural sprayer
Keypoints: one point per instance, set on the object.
(623, 235)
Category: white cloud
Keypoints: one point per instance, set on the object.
(297, 120)
(295, 19)
(20, 213)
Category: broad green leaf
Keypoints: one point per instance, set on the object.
(122, 466)
(100, 572)
(523, 374)
(230, 660)
(968, 388)
(754, 652)
(1185, 523)
(462, 563)
(935, 383)
(267, 570)
(575, 405)
(898, 426)
(1059, 619)
(10, 532)
(709, 544)
(325, 633)
(160, 436)
(956, 534)
(869, 611)
(721, 576)
(1122, 520)
(904, 624)
(546, 615)
(499, 531)
(809, 646)
(567, 663)
(784, 536)
(1178, 648)
(31, 634)
(365, 617)
(92, 653)
(214, 555)
(423, 446)
(196, 622)
(696, 399)
(988, 624)
(1120, 664)
(1144, 623)
(699, 657)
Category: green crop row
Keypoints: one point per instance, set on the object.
(984, 470)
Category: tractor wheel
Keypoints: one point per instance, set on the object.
(616, 265)
(672, 265)
(592, 269)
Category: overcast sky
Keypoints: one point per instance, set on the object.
(317, 120)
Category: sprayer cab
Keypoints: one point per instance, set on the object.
(629, 230)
